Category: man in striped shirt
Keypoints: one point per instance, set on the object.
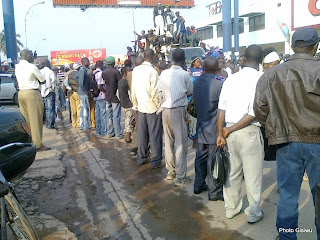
(60, 80)
(174, 87)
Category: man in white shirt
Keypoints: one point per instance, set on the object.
(145, 101)
(48, 93)
(31, 104)
(174, 87)
(243, 136)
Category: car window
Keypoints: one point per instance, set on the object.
(9, 80)
(190, 52)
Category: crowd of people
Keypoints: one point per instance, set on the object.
(232, 104)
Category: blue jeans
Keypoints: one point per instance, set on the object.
(50, 109)
(101, 117)
(293, 160)
(114, 117)
(84, 112)
(62, 98)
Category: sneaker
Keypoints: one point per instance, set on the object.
(182, 181)
(170, 176)
(253, 220)
(231, 215)
(133, 151)
(128, 142)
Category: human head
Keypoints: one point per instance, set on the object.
(305, 40)
(27, 55)
(196, 62)
(143, 32)
(210, 64)
(178, 56)
(270, 58)
(46, 63)
(99, 64)
(128, 63)
(139, 60)
(124, 71)
(111, 61)
(149, 55)
(158, 48)
(240, 60)
(253, 56)
(85, 62)
(76, 66)
(177, 13)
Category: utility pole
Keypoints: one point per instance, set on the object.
(226, 26)
(236, 28)
(10, 30)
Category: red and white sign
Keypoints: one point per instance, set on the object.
(72, 56)
(305, 13)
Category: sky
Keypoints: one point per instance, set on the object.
(53, 29)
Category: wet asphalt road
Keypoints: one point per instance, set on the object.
(105, 195)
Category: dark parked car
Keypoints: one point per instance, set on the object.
(8, 88)
(15, 160)
(190, 52)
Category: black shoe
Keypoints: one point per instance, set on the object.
(128, 142)
(216, 198)
(133, 151)
(200, 190)
(43, 148)
(141, 163)
(159, 165)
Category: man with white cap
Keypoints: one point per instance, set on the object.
(158, 19)
(287, 104)
(270, 58)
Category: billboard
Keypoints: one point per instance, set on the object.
(72, 56)
(122, 3)
(305, 13)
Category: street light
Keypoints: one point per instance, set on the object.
(25, 21)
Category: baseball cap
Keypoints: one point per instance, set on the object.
(76, 65)
(308, 36)
(110, 60)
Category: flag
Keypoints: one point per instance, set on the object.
(284, 28)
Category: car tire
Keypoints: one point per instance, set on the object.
(15, 98)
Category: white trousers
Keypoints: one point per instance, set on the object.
(246, 163)
(159, 25)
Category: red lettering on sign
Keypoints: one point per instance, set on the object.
(313, 8)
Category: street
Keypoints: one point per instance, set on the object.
(91, 188)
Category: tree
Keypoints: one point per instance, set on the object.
(3, 47)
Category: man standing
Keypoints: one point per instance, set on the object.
(206, 98)
(180, 28)
(145, 100)
(31, 105)
(60, 80)
(287, 104)
(244, 138)
(83, 92)
(100, 101)
(111, 76)
(48, 94)
(71, 83)
(158, 19)
(174, 87)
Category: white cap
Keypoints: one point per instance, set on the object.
(271, 57)
(76, 65)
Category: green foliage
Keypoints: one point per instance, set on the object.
(3, 47)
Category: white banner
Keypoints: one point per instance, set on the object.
(305, 13)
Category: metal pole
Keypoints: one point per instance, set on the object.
(25, 21)
(226, 25)
(236, 28)
(10, 29)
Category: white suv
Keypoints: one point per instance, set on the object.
(8, 88)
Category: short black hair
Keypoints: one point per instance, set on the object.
(307, 49)
(128, 63)
(46, 63)
(178, 55)
(99, 64)
(84, 59)
(253, 53)
(210, 64)
(148, 54)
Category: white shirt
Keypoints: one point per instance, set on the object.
(174, 86)
(28, 75)
(144, 88)
(237, 94)
(50, 81)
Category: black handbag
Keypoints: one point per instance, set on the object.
(221, 166)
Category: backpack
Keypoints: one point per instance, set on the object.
(72, 81)
(93, 86)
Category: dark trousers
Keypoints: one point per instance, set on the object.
(203, 167)
(150, 129)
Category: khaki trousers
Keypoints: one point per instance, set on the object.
(75, 109)
(32, 107)
(92, 105)
(246, 163)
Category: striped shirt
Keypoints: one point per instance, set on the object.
(60, 77)
(174, 87)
